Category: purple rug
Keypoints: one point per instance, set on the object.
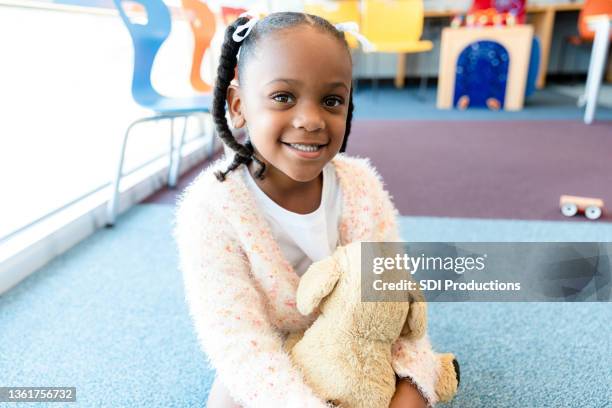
(481, 169)
(488, 169)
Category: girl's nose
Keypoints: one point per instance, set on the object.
(309, 118)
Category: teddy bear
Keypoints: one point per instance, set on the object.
(346, 354)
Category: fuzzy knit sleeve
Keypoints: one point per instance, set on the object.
(229, 313)
(411, 358)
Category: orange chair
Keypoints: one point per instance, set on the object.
(202, 22)
(591, 8)
(230, 14)
(585, 35)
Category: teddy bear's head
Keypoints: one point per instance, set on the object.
(334, 285)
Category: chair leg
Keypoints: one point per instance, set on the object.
(113, 203)
(207, 130)
(213, 135)
(202, 119)
(211, 145)
(176, 162)
(423, 88)
(171, 154)
(596, 69)
(375, 78)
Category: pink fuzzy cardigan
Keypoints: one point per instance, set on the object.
(241, 290)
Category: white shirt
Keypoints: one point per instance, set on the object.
(304, 238)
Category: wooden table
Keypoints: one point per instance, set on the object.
(543, 21)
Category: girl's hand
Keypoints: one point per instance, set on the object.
(407, 396)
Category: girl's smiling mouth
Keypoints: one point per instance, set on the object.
(306, 150)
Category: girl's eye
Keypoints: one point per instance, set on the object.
(282, 98)
(333, 102)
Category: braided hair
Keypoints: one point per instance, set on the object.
(228, 63)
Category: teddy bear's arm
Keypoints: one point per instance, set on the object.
(415, 325)
(317, 282)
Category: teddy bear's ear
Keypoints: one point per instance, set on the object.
(318, 282)
(416, 321)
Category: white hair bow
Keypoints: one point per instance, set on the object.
(244, 29)
(352, 28)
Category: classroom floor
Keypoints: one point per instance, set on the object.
(109, 316)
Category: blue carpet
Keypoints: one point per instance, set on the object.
(391, 103)
(109, 318)
(522, 354)
(527, 354)
(441, 229)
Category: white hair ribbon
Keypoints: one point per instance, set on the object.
(352, 28)
(244, 29)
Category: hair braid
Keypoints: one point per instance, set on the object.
(349, 119)
(225, 73)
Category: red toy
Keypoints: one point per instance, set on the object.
(493, 12)
(506, 8)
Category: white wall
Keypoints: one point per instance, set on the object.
(65, 102)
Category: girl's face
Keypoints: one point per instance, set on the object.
(293, 99)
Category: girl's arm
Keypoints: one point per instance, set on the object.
(229, 314)
(412, 359)
(407, 396)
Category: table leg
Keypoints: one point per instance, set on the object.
(543, 25)
(596, 67)
(400, 74)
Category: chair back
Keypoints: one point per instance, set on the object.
(392, 21)
(336, 12)
(229, 14)
(202, 22)
(592, 8)
(147, 39)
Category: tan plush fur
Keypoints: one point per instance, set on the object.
(446, 387)
(346, 355)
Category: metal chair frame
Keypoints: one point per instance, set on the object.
(147, 40)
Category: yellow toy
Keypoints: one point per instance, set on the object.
(346, 355)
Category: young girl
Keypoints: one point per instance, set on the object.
(247, 229)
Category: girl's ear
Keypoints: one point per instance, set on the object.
(234, 102)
